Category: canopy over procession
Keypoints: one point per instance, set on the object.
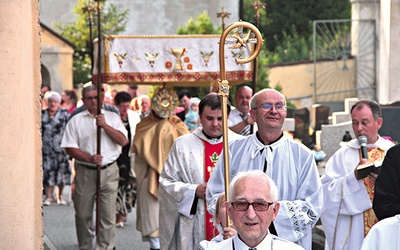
(178, 60)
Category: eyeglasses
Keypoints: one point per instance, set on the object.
(91, 98)
(257, 206)
(268, 106)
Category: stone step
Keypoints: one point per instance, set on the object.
(318, 238)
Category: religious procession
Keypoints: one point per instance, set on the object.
(209, 157)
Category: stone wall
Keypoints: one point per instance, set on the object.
(20, 147)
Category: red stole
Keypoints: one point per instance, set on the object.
(211, 155)
(369, 215)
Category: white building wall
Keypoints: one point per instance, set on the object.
(148, 17)
(389, 43)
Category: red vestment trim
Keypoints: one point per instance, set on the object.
(211, 155)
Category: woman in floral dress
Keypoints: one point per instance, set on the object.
(56, 170)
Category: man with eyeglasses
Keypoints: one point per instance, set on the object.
(252, 205)
(79, 141)
(104, 106)
(289, 163)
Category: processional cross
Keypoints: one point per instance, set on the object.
(223, 15)
(257, 5)
(90, 8)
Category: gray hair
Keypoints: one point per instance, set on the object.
(52, 95)
(371, 104)
(88, 88)
(273, 190)
(253, 101)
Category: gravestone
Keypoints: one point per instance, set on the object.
(302, 126)
(391, 121)
(339, 117)
(319, 115)
(289, 112)
(289, 125)
(348, 103)
(332, 135)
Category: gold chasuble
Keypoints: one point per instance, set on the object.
(211, 155)
(153, 140)
(369, 215)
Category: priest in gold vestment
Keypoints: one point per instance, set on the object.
(154, 137)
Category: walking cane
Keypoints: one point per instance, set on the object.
(224, 87)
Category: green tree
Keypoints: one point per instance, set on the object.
(287, 25)
(292, 48)
(282, 15)
(202, 25)
(112, 22)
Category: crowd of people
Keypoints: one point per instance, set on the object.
(169, 162)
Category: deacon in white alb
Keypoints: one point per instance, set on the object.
(184, 221)
(290, 164)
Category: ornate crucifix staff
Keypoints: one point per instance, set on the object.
(224, 84)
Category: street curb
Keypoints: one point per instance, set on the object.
(48, 245)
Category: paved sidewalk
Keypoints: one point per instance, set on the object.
(59, 229)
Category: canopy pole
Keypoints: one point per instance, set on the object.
(257, 6)
(223, 84)
(90, 9)
(99, 101)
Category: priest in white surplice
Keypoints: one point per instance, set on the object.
(290, 164)
(384, 235)
(183, 222)
(347, 213)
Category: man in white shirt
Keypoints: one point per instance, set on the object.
(240, 120)
(145, 106)
(252, 205)
(79, 141)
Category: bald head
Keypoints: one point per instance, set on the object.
(254, 103)
(242, 99)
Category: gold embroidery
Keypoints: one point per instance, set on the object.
(369, 215)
